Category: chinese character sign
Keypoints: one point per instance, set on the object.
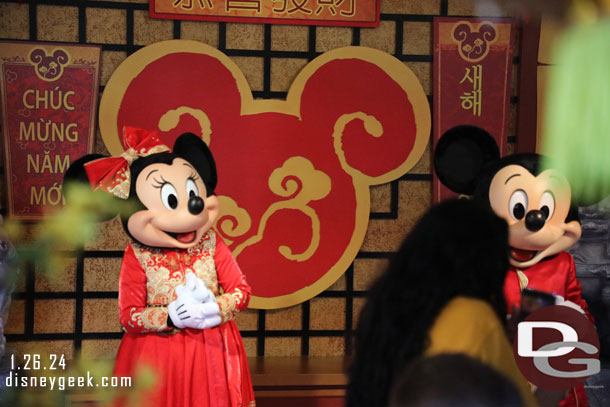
(294, 175)
(356, 13)
(472, 77)
(49, 100)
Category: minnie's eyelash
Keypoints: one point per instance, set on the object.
(159, 183)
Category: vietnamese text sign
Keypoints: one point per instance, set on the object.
(472, 77)
(356, 13)
(49, 100)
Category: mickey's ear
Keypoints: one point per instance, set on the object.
(76, 175)
(194, 150)
(460, 156)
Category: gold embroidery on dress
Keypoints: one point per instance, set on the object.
(228, 304)
(166, 269)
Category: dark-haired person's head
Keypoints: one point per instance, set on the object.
(458, 248)
(453, 380)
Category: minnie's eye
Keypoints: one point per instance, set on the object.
(191, 188)
(547, 204)
(169, 196)
(517, 204)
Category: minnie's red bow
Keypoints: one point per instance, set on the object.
(112, 174)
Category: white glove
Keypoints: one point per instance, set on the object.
(559, 300)
(195, 306)
(195, 315)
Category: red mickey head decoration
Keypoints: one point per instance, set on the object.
(49, 67)
(474, 43)
(293, 175)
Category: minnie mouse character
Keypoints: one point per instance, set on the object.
(537, 206)
(179, 288)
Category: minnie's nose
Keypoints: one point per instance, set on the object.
(195, 205)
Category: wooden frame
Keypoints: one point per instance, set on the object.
(528, 79)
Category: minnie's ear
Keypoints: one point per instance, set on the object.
(76, 175)
(76, 172)
(194, 150)
(460, 156)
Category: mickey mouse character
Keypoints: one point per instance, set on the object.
(179, 288)
(537, 206)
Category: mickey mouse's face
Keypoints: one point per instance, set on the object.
(537, 205)
(178, 211)
(535, 208)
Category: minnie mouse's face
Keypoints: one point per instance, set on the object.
(178, 209)
(536, 208)
(172, 193)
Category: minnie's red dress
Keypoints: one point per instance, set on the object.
(555, 275)
(199, 368)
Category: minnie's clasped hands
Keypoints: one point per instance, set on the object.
(195, 306)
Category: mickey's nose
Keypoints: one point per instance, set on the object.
(196, 205)
(534, 220)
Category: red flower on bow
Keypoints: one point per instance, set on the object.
(112, 174)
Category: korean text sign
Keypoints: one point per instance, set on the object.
(473, 60)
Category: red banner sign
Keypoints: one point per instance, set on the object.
(354, 13)
(293, 175)
(49, 101)
(472, 77)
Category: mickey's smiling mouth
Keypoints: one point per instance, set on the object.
(188, 237)
(521, 255)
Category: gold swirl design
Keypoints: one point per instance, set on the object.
(171, 118)
(371, 125)
(232, 221)
(314, 185)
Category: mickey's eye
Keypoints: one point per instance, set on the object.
(517, 204)
(169, 196)
(547, 204)
(191, 188)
